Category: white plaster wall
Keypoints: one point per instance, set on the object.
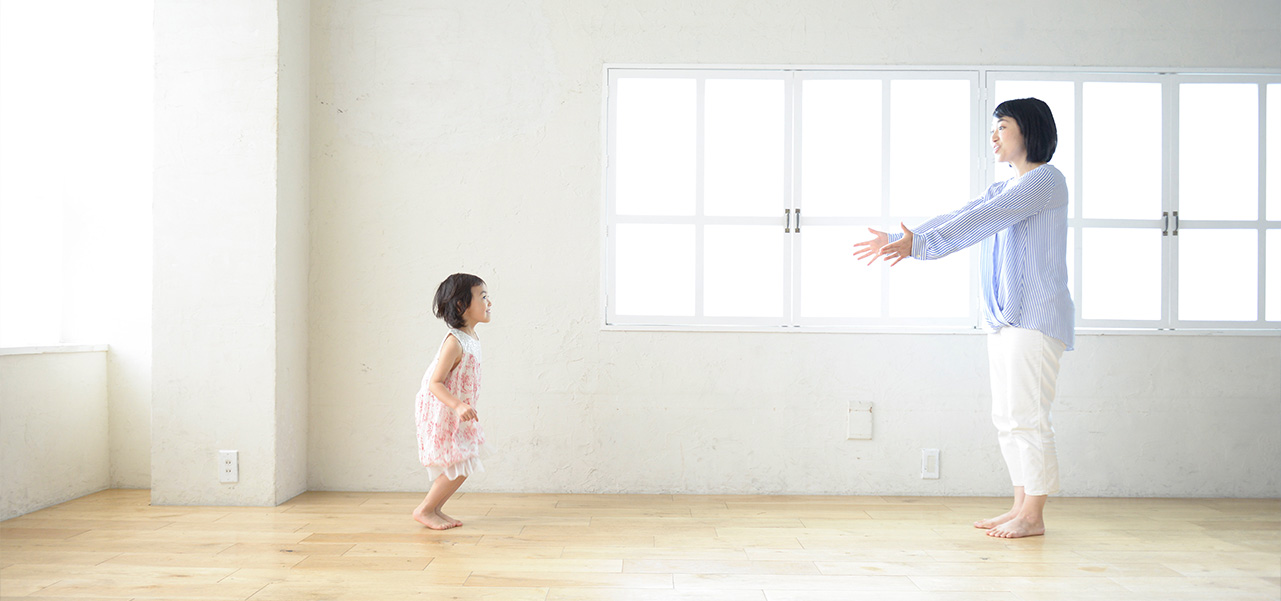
(293, 156)
(214, 304)
(466, 137)
(53, 429)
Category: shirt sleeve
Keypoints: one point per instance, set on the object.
(946, 234)
(934, 222)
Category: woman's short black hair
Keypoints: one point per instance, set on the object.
(453, 296)
(1040, 135)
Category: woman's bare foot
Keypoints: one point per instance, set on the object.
(1018, 527)
(451, 520)
(433, 521)
(996, 521)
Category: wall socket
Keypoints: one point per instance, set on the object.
(929, 464)
(228, 466)
(860, 422)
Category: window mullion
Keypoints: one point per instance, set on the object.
(985, 167)
(885, 187)
(1170, 199)
(700, 128)
(1077, 232)
(791, 190)
(1262, 217)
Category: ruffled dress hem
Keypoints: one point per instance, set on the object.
(453, 471)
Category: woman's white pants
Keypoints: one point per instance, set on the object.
(1025, 369)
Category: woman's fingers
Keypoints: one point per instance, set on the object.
(892, 252)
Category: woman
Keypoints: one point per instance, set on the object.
(1022, 223)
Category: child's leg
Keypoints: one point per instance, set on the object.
(454, 485)
(426, 512)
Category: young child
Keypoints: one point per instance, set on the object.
(450, 440)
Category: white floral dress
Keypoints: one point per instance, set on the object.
(446, 444)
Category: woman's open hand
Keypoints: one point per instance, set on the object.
(871, 248)
(897, 250)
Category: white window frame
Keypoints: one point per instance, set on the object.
(888, 221)
(984, 79)
(1168, 221)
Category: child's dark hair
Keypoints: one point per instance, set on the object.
(453, 296)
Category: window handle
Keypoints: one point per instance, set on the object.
(1176, 223)
(787, 213)
(798, 221)
(1165, 225)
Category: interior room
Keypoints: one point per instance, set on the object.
(222, 227)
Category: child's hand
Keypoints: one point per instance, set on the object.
(465, 412)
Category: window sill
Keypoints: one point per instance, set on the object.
(53, 348)
(925, 330)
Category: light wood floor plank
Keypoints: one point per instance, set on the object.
(613, 594)
(768, 582)
(888, 596)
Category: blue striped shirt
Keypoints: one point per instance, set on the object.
(1022, 223)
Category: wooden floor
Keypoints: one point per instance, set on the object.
(364, 546)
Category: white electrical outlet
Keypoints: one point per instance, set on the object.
(929, 464)
(228, 467)
(860, 422)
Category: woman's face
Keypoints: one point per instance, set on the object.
(1007, 141)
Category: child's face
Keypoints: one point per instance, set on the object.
(478, 310)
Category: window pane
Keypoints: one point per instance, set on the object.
(930, 288)
(1218, 151)
(841, 147)
(32, 248)
(654, 269)
(833, 284)
(1273, 174)
(655, 146)
(1121, 274)
(930, 146)
(743, 271)
(1218, 275)
(1071, 260)
(1061, 96)
(1273, 276)
(743, 147)
(1121, 154)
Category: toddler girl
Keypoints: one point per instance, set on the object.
(450, 440)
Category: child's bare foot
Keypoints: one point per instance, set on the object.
(433, 521)
(420, 515)
(996, 521)
(1018, 527)
(451, 520)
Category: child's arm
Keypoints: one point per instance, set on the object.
(451, 353)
